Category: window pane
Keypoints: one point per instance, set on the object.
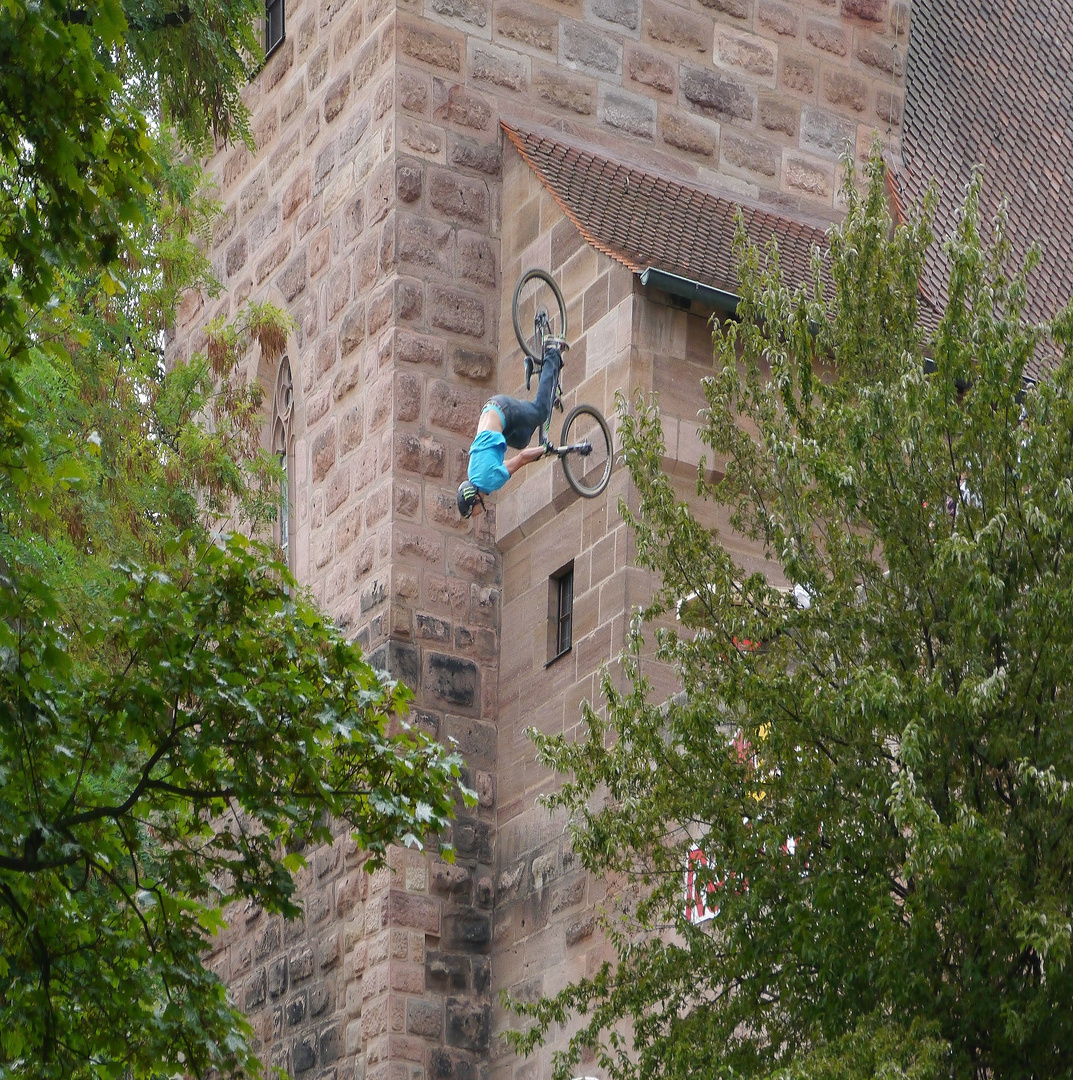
(285, 510)
(566, 610)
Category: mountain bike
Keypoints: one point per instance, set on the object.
(585, 447)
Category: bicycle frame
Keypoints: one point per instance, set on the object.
(584, 481)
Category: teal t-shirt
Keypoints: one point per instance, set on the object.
(486, 469)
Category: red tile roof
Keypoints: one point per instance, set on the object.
(645, 220)
(990, 82)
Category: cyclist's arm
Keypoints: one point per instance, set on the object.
(530, 453)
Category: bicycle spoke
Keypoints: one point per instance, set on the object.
(586, 451)
(538, 312)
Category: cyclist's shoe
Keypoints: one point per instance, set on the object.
(528, 371)
(559, 344)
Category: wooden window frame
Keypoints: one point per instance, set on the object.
(560, 613)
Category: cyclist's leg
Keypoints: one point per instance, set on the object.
(519, 420)
(549, 379)
(522, 421)
(522, 418)
(547, 390)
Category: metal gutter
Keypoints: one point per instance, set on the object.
(716, 299)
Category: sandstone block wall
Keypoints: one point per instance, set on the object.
(547, 908)
(381, 269)
(381, 210)
(757, 96)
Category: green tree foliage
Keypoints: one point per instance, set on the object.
(877, 764)
(177, 721)
(174, 715)
(129, 454)
(156, 764)
(83, 89)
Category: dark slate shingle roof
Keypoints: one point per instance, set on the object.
(990, 82)
(645, 220)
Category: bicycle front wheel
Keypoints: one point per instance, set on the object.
(538, 311)
(588, 471)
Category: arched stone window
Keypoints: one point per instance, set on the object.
(282, 447)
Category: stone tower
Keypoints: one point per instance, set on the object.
(413, 157)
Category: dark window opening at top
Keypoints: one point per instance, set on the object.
(275, 28)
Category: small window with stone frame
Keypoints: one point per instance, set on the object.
(560, 612)
(275, 25)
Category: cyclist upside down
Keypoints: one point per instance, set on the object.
(509, 421)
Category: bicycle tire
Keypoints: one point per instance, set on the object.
(588, 474)
(535, 298)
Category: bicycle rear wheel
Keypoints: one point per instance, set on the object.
(587, 473)
(536, 294)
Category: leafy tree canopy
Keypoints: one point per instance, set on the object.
(157, 763)
(84, 89)
(873, 761)
(177, 721)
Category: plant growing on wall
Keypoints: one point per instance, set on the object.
(868, 773)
